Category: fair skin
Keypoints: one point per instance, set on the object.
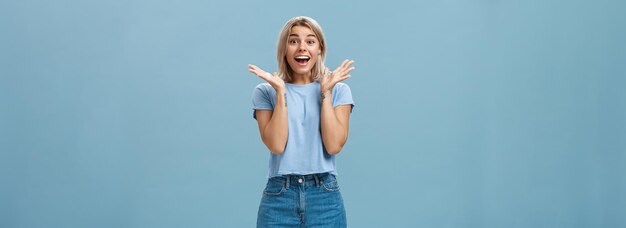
(302, 51)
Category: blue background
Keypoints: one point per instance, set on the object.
(482, 113)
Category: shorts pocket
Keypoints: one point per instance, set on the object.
(274, 187)
(330, 184)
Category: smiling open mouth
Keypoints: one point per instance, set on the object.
(302, 59)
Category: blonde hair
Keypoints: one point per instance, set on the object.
(284, 71)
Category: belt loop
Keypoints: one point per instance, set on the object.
(287, 181)
(317, 180)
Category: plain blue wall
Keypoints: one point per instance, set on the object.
(480, 113)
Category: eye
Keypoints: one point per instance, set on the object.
(311, 42)
(294, 41)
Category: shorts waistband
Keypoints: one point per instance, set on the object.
(315, 178)
(307, 176)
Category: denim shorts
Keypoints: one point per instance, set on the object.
(299, 201)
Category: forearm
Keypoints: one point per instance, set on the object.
(276, 130)
(333, 132)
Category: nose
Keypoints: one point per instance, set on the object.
(302, 46)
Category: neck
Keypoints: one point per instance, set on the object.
(301, 78)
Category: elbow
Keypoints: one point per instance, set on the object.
(332, 146)
(277, 151)
(333, 150)
(277, 148)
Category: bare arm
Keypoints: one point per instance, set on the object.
(334, 121)
(273, 124)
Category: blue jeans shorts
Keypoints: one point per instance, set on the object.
(300, 201)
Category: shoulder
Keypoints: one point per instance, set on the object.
(263, 91)
(340, 86)
(264, 87)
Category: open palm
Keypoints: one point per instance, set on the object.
(330, 79)
(273, 79)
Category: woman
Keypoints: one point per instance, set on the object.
(303, 114)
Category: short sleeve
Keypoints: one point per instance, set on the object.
(261, 99)
(342, 95)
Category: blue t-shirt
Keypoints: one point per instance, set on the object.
(304, 152)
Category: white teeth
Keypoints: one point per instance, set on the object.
(302, 57)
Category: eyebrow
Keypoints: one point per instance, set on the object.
(296, 35)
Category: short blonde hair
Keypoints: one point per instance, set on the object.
(284, 71)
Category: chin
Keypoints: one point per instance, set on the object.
(302, 71)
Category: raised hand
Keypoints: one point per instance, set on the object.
(330, 79)
(273, 79)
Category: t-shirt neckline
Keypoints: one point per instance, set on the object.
(301, 85)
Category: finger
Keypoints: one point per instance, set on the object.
(344, 78)
(343, 64)
(254, 71)
(257, 73)
(343, 71)
(349, 70)
(349, 63)
(338, 69)
(250, 66)
(258, 69)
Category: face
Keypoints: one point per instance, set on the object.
(302, 50)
